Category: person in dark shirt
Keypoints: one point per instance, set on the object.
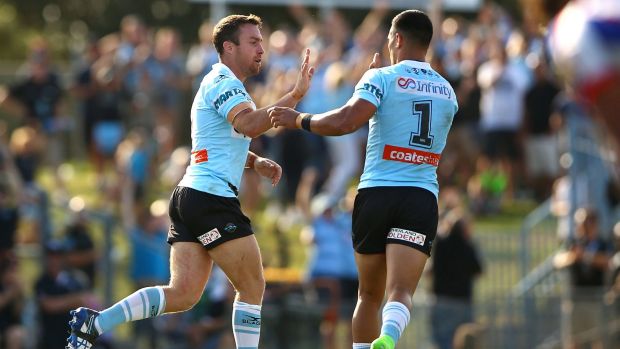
(57, 291)
(39, 95)
(541, 147)
(456, 265)
(12, 332)
(587, 259)
(81, 253)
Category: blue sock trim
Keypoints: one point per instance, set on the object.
(389, 328)
(143, 304)
(238, 330)
(154, 297)
(128, 310)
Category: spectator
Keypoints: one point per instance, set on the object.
(587, 260)
(81, 254)
(501, 107)
(98, 86)
(58, 290)
(455, 265)
(541, 145)
(38, 98)
(202, 56)
(11, 303)
(331, 268)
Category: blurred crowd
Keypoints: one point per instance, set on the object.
(127, 99)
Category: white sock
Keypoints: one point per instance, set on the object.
(246, 325)
(361, 345)
(395, 319)
(144, 303)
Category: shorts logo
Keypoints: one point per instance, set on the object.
(209, 236)
(407, 235)
(230, 228)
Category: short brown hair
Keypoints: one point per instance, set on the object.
(227, 29)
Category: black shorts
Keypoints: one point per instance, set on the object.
(205, 218)
(499, 144)
(394, 215)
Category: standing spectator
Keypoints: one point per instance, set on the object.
(161, 78)
(149, 262)
(203, 56)
(587, 260)
(98, 85)
(57, 291)
(501, 108)
(38, 98)
(81, 253)
(332, 263)
(456, 264)
(10, 194)
(541, 147)
(11, 302)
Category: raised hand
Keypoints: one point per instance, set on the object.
(285, 117)
(304, 78)
(375, 61)
(269, 169)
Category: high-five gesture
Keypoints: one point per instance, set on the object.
(304, 78)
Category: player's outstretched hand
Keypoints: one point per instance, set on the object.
(284, 117)
(304, 78)
(375, 61)
(269, 169)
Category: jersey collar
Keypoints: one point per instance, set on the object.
(415, 64)
(223, 68)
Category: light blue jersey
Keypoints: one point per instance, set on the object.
(415, 109)
(219, 152)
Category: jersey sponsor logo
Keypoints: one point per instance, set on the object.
(373, 89)
(209, 236)
(199, 156)
(410, 156)
(221, 99)
(407, 235)
(423, 87)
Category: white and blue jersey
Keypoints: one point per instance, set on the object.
(415, 109)
(219, 152)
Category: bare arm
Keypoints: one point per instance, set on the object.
(337, 122)
(253, 123)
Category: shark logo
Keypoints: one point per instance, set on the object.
(230, 227)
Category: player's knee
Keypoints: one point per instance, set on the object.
(183, 297)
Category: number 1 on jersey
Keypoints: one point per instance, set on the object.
(422, 138)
